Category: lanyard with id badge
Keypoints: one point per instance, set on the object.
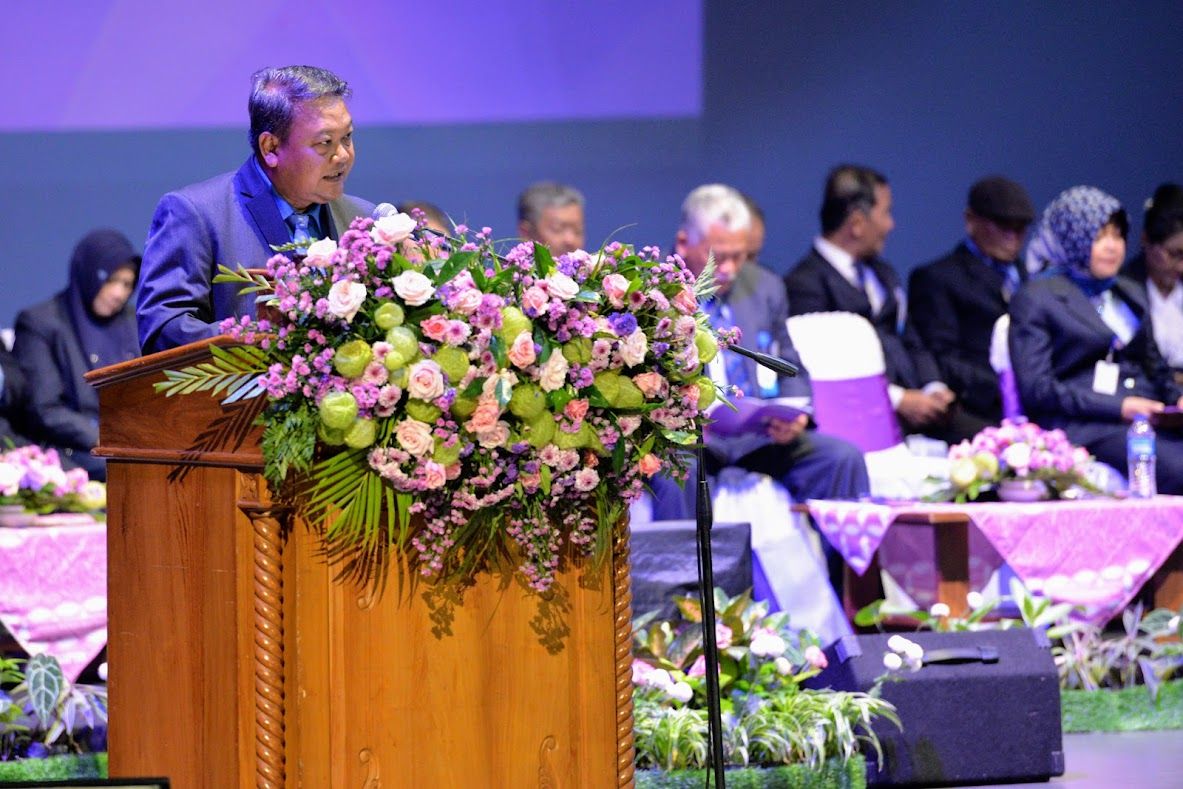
(1106, 372)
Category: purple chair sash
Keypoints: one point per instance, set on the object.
(857, 410)
(1011, 407)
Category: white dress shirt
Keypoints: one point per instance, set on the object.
(1166, 316)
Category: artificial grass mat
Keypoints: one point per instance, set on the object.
(1129, 709)
(55, 768)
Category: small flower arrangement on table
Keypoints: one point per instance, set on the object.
(432, 400)
(32, 478)
(1017, 451)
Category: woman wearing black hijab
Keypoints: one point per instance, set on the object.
(1081, 340)
(90, 324)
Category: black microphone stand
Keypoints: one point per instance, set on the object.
(704, 519)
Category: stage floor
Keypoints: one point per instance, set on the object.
(1129, 760)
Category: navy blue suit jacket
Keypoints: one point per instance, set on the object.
(1056, 338)
(230, 219)
(816, 286)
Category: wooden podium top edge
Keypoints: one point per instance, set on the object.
(180, 356)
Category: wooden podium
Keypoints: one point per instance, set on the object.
(236, 659)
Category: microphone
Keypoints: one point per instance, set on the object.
(774, 363)
(383, 210)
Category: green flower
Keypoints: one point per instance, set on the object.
(445, 455)
(333, 436)
(352, 357)
(578, 350)
(422, 411)
(388, 315)
(539, 431)
(608, 382)
(454, 362)
(513, 323)
(707, 346)
(361, 433)
(404, 347)
(527, 401)
(338, 410)
(462, 407)
(706, 391)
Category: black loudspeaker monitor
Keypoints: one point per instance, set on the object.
(983, 708)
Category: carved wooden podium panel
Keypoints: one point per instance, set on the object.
(236, 659)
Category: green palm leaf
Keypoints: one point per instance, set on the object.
(236, 369)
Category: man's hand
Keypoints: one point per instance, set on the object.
(918, 408)
(1133, 406)
(784, 431)
(944, 395)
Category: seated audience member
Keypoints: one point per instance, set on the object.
(955, 301)
(89, 324)
(437, 220)
(1160, 267)
(1084, 355)
(715, 218)
(13, 394)
(551, 214)
(843, 273)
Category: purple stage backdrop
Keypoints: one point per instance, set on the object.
(143, 64)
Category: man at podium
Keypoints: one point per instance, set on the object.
(291, 188)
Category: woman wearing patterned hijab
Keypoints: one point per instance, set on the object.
(89, 324)
(1081, 341)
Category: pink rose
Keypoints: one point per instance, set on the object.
(629, 423)
(521, 353)
(415, 437)
(615, 287)
(576, 410)
(633, 348)
(685, 301)
(413, 288)
(467, 301)
(815, 657)
(434, 475)
(535, 299)
(426, 380)
(392, 229)
(485, 416)
(435, 327)
(497, 436)
(554, 372)
(345, 299)
(651, 384)
(649, 465)
(562, 287)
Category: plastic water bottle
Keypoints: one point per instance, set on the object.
(1140, 453)
(767, 379)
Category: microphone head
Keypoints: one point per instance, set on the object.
(383, 209)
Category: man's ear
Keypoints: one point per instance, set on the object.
(681, 243)
(526, 231)
(268, 147)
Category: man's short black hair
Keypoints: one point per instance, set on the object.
(276, 92)
(849, 188)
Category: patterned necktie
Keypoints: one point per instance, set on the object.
(299, 223)
(863, 272)
(734, 366)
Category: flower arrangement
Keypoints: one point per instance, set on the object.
(513, 405)
(34, 479)
(767, 717)
(1016, 450)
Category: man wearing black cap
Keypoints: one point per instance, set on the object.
(957, 299)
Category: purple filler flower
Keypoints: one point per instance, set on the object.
(623, 323)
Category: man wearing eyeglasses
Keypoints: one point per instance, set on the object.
(956, 299)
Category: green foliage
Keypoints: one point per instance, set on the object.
(834, 774)
(290, 443)
(55, 768)
(768, 718)
(233, 374)
(1123, 709)
(45, 707)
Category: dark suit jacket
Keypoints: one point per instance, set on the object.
(12, 400)
(757, 303)
(1056, 338)
(954, 302)
(816, 286)
(63, 408)
(230, 219)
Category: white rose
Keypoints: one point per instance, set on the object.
(415, 437)
(560, 286)
(319, 252)
(466, 301)
(345, 298)
(10, 478)
(413, 288)
(892, 662)
(392, 229)
(554, 373)
(1017, 457)
(633, 348)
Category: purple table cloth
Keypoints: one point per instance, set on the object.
(1095, 553)
(53, 589)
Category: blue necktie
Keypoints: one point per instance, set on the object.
(733, 364)
(301, 226)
